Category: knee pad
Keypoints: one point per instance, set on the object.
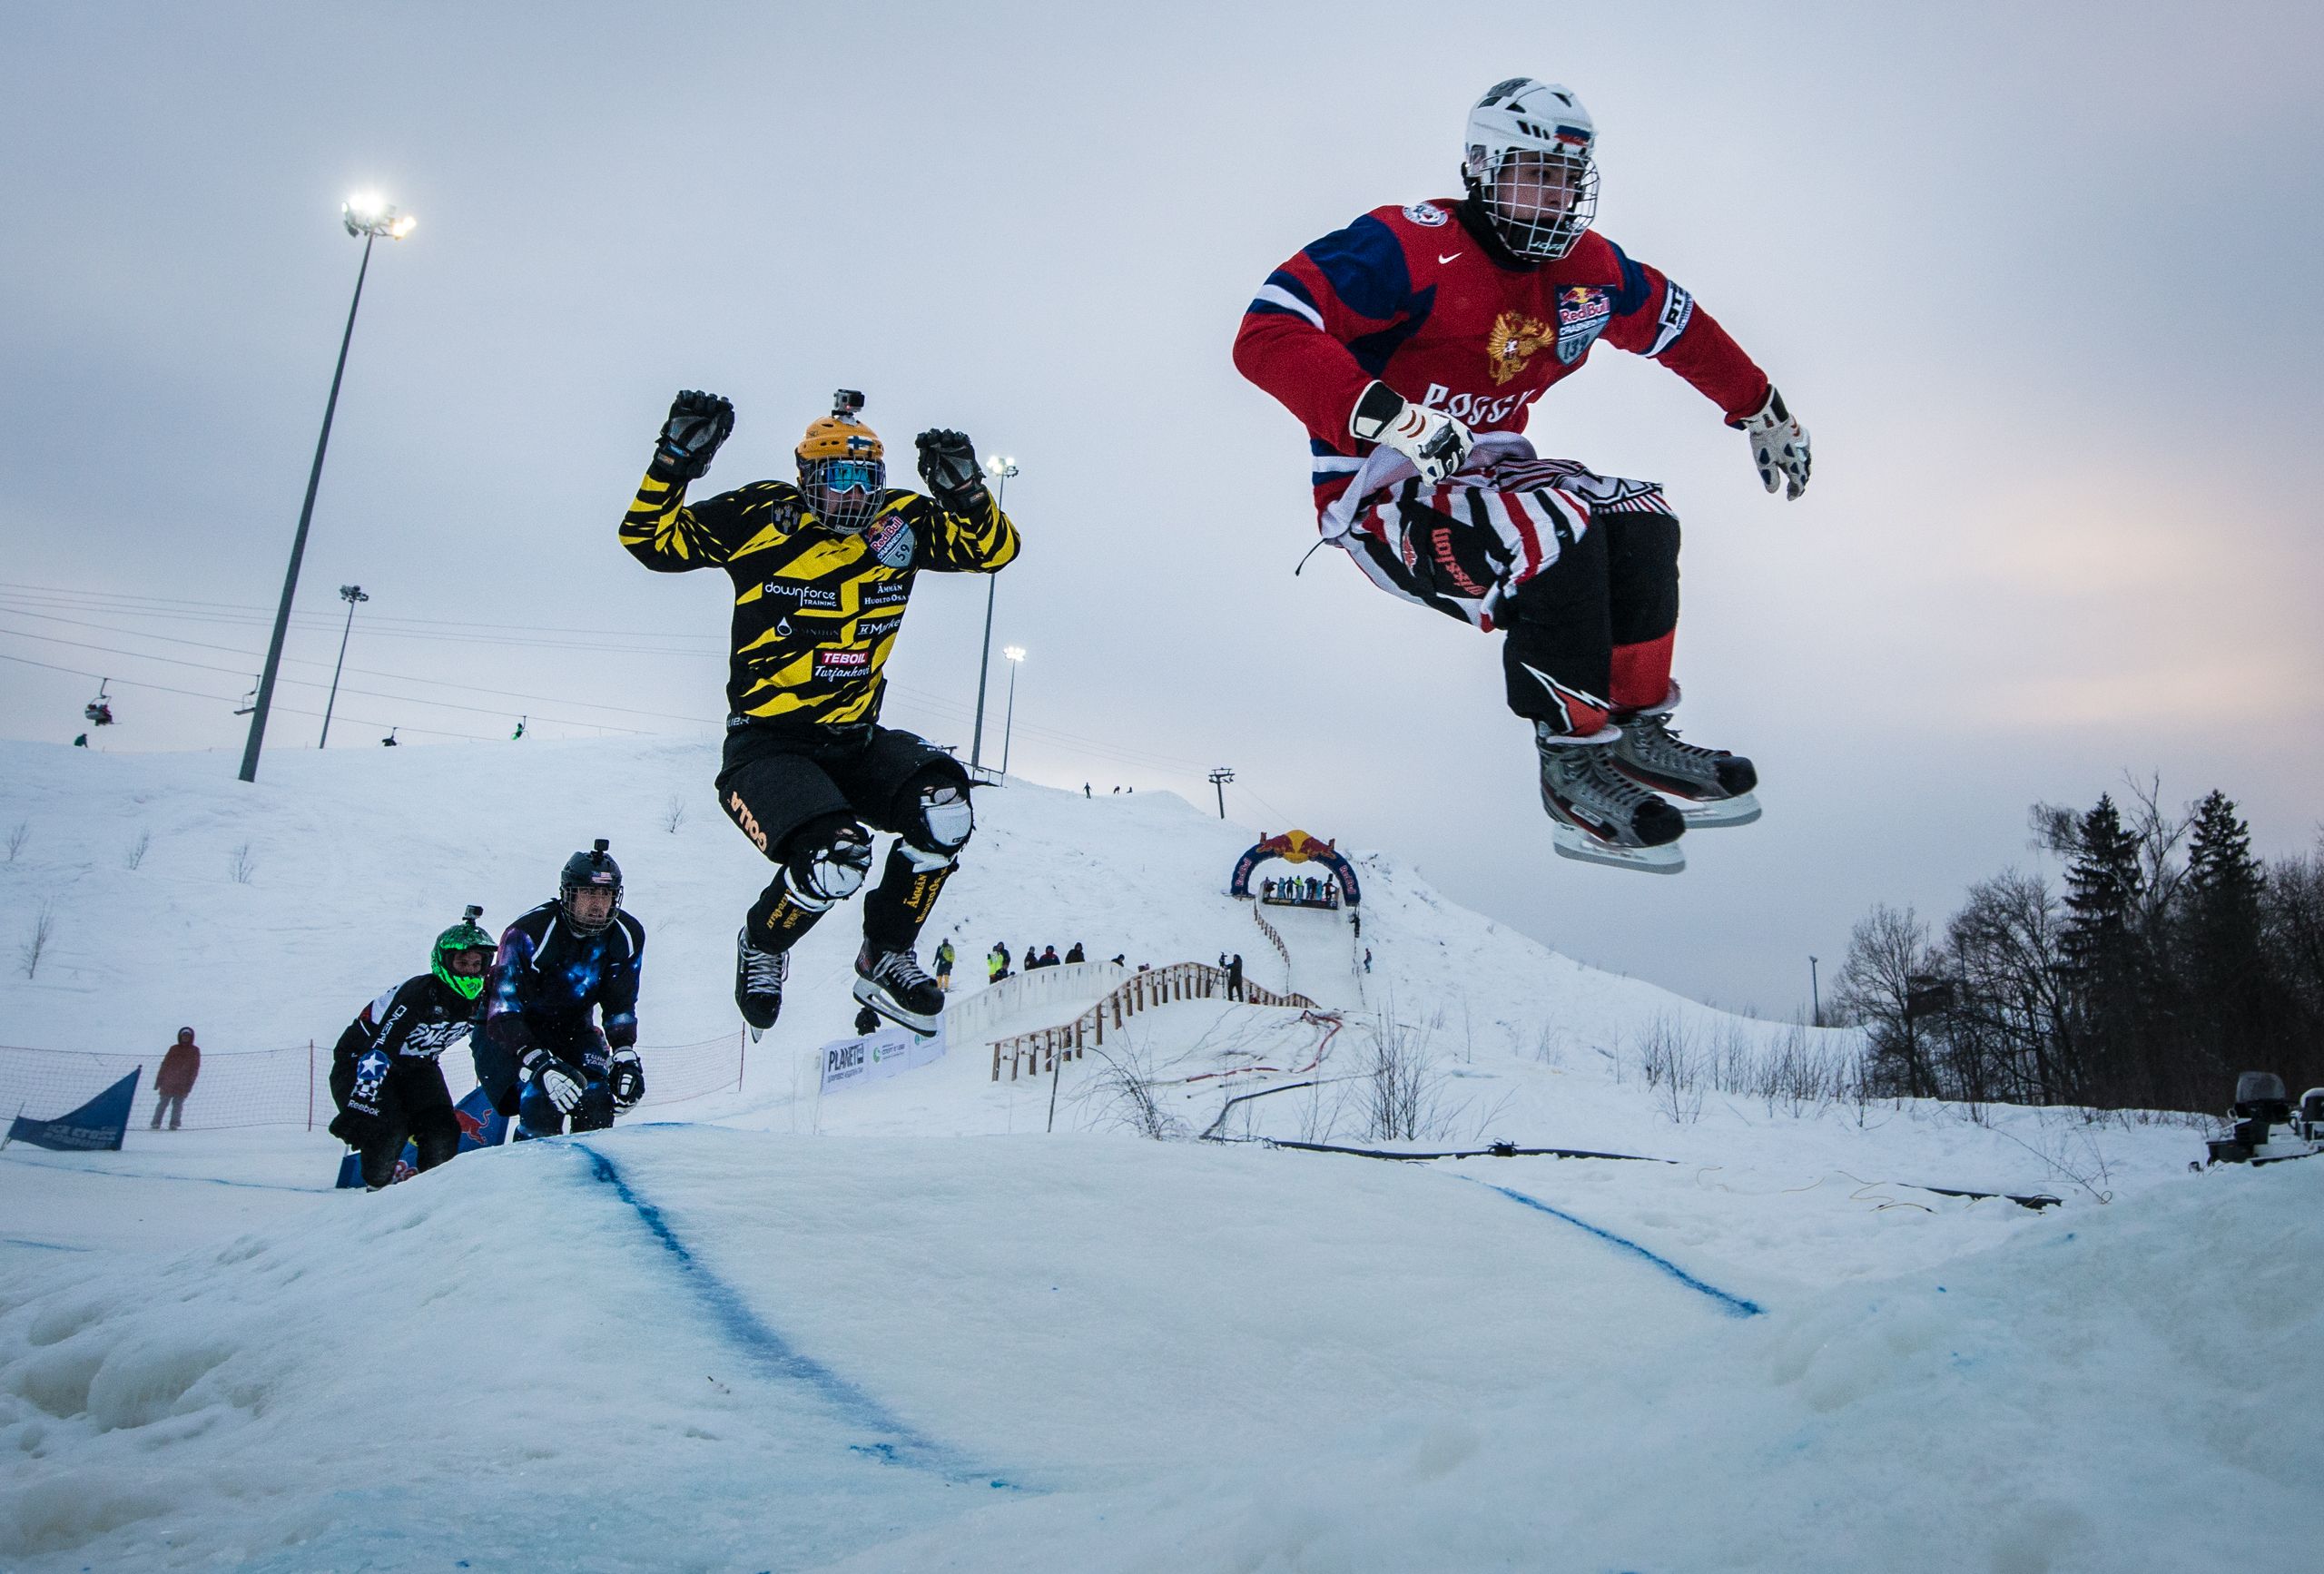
(826, 861)
(942, 822)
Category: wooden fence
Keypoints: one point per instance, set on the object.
(1040, 1049)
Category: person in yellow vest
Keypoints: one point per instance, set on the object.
(821, 571)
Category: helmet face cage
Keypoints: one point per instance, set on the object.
(845, 494)
(1539, 201)
(588, 926)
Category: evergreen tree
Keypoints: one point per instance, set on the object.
(2105, 955)
(2233, 995)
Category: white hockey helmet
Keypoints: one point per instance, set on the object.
(1528, 165)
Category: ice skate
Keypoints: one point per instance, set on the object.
(1597, 814)
(894, 984)
(758, 982)
(1713, 786)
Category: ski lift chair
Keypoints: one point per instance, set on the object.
(99, 710)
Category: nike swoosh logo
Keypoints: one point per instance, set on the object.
(1441, 260)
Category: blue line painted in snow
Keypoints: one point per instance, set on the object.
(199, 1180)
(39, 1246)
(899, 1444)
(1736, 1305)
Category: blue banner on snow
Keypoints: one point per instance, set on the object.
(97, 1126)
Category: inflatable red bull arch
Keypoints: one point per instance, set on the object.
(1296, 847)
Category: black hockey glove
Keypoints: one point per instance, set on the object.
(627, 1080)
(948, 463)
(354, 1128)
(698, 423)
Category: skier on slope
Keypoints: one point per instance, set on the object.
(384, 1073)
(1412, 344)
(557, 963)
(822, 572)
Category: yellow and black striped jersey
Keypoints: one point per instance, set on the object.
(815, 611)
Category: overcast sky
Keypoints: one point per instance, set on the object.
(2042, 282)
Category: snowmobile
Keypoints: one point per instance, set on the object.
(2266, 1127)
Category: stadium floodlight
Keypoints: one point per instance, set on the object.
(349, 593)
(1016, 655)
(1000, 467)
(367, 216)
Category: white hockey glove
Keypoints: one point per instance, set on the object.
(563, 1089)
(1436, 444)
(1779, 447)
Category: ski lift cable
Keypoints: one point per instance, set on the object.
(368, 672)
(1149, 758)
(97, 600)
(699, 646)
(198, 694)
(1126, 755)
(314, 684)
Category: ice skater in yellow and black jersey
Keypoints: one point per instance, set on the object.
(822, 572)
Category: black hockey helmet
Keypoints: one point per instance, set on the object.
(592, 870)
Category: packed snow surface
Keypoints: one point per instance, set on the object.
(908, 1326)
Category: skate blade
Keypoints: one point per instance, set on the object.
(1716, 813)
(1584, 848)
(869, 994)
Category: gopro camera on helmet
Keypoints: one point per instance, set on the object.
(847, 404)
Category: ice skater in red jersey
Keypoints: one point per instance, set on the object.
(1413, 344)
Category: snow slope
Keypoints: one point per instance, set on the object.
(900, 1327)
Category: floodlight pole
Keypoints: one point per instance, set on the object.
(373, 224)
(1815, 996)
(1001, 470)
(349, 593)
(1016, 656)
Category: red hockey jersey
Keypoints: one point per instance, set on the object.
(1411, 297)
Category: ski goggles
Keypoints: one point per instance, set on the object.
(852, 474)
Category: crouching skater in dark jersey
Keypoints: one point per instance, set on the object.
(556, 964)
(384, 1074)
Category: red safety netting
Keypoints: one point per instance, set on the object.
(247, 1087)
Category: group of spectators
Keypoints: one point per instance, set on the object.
(1312, 891)
(998, 960)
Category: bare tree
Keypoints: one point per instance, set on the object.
(241, 864)
(1882, 984)
(1674, 1066)
(1124, 1093)
(35, 944)
(1401, 1089)
(674, 813)
(136, 853)
(18, 837)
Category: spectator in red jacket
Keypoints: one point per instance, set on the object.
(180, 1066)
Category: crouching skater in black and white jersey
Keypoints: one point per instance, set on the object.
(384, 1074)
(556, 964)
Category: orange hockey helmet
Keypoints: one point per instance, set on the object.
(843, 472)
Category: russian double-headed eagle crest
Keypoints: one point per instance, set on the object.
(1515, 339)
